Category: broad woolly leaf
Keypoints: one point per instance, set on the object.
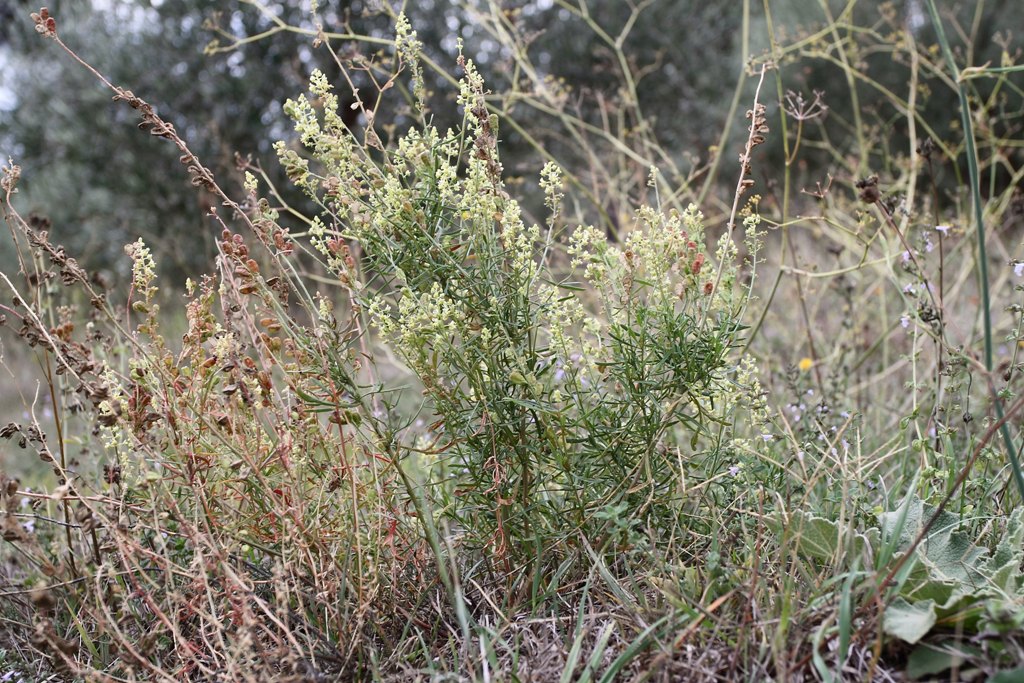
(1009, 676)
(913, 515)
(927, 660)
(1003, 568)
(909, 622)
(947, 556)
(818, 538)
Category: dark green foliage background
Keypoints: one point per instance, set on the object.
(103, 184)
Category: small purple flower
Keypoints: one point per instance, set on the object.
(909, 289)
(734, 470)
(1018, 268)
(943, 229)
(767, 437)
(904, 321)
(905, 256)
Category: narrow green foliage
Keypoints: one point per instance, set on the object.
(545, 412)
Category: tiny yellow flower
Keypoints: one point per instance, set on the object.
(805, 364)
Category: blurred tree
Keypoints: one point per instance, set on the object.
(103, 184)
(6, 17)
(865, 130)
(657, 75)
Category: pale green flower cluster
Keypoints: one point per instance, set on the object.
(752, 395)
(143, 268)
(417, 195)
(660, 249)
(307, 123)
(471, 97)
(589, 248)
(479, 201)
(225, 344)
(253, 387)
(380, 314)
(318, 237)
(427, 151)
(518, 242)
(324, 308)
(752, 232)
(408, 47)
(660, 262)
(561, 315)
(115, 436)
(743, 391)
(331, 142)
(295, 166)
(551, 182)
(406, 43)
(572, 332)
(726, 254)
(430, 319)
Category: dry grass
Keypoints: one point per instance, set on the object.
(312, 486)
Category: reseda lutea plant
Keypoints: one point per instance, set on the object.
(254, 500)
(551, 405)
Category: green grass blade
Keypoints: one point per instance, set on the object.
(979, 226)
